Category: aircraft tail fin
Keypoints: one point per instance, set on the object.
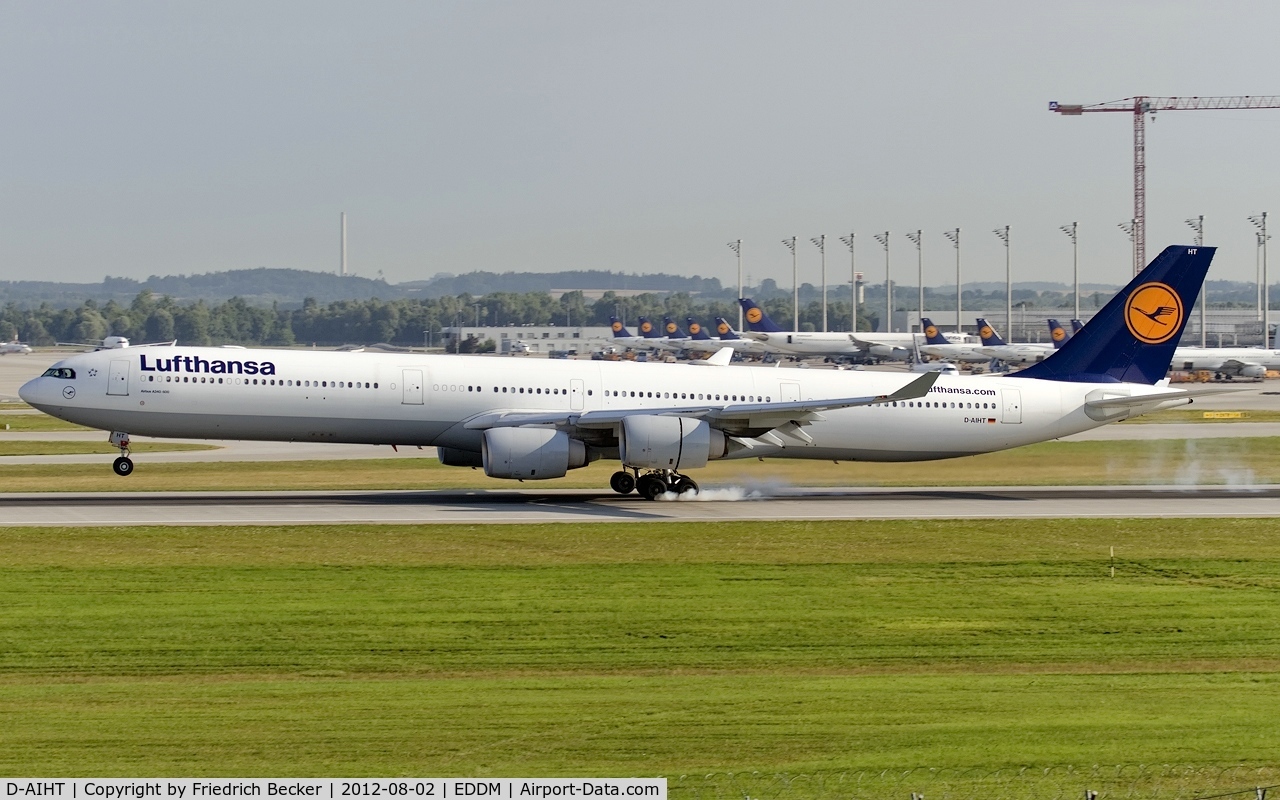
(756, 319)
(619, 330)
(696, 331)
(931, 333)
(648, 330)
(725, 330)
(1133, 337)
(671, 329)
(1076, 325)
(987, 332)
(1057, 334)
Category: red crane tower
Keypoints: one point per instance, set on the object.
(1140, 107)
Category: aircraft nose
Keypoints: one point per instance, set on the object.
(28, 391)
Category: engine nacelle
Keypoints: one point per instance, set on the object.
(653, 442)
(889, 352)
(1253, 371)
(452, 457)
(534, 454)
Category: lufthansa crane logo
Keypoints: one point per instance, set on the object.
(671, 327)
(695, 328)
(986, 332)
(617, 326)
(1153, 313)
(754, 315)
(931, 331)
(1058, 334)
(646, 327)
(723, 327)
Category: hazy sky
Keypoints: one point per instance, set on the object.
(159, 138)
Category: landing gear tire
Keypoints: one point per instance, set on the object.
(683, 483)
(651, 487)
(622, 482)
(123, 466)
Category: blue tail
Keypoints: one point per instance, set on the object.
(931, 334)
(725, 330)
(671, 330)
(648, 330)
(696, 331)
(1133, 337)
(988, 334)
(619, 330)
(756, 319)
(1076, 325)
(1057, 334)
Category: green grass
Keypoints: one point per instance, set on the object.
(1177, 415)
(1207, 461)
(57, 448)
(37, 422)
(828, 659)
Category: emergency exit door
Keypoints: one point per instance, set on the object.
(411, 387)
(118, 377)
(1012, 399)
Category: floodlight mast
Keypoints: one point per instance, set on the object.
(736, 247)
(883, 238)
(1140, 107)
(1070, 230)
(820, 242)
(916, 237)
(853, 280)
(954, 237)
(795, 284)
(1003, 233)
(1197, 224)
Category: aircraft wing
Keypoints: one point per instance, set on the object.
(1159, 397)
(754, 415)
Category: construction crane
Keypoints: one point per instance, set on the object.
(1140, 107)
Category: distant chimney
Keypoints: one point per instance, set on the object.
(344, 244)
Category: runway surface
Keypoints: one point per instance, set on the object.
(715, 505)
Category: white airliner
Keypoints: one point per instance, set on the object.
(536, 419)
(21, 348)
(1244, 362)
(894, 346)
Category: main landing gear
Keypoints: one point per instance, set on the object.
(652, 485)
(123, 465)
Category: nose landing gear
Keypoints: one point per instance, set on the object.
(123, 465)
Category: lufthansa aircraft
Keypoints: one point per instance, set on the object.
(538, 419)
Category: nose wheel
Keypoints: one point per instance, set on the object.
(123, 465)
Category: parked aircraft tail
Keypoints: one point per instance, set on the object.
(648, 330)
(1133, 337)
(1058, 334)
(931, 333)
(671, 329)
(619, 330)
(696, 331)
(988, 334)
(756, 319)
(725, 330)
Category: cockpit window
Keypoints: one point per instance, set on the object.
(59, 372)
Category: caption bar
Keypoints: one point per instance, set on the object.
(327, 788)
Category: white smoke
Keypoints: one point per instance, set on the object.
(724, 494)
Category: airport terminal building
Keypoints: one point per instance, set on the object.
(540, 340)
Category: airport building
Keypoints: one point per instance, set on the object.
(540, 339)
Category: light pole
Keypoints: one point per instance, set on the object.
(916, 238)
(736, 247)
(1257, 267)
(1260, 221)
(853, 280)
(954, 236)
(1197, 225)
(820, 242)
(1070, 230)
(1003, 233)
(795, 284)
(883, 238)
(1130, 229)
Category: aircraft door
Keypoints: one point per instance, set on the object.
(789, 393)
(1012, 405)
(412, 387)
(575, 395)
(118, 377)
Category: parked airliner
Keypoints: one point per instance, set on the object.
(533, 419)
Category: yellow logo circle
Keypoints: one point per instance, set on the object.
(695, 328)
(754, 315)
(931, 331)
(617, 326)
(671, 327)
(1058, 334)
(646, 327)
(722, 328)
(986, 332)
(1153, 313)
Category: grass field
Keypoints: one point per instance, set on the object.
(37, 422)
(1203, 461)
(57, 448)
(868, 659)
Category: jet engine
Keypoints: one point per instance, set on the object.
(453, 457)
(530, 453)
(654, 442)
(1253, 371)
(890, 352)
